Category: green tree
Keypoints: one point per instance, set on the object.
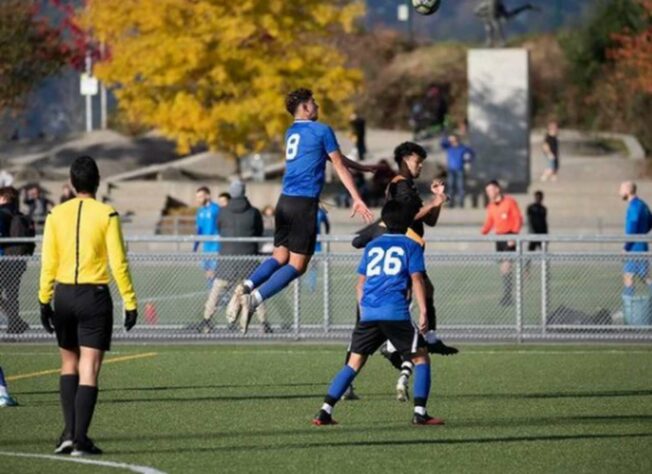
(216, 73)
(587, 48)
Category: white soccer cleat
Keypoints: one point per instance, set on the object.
(402, 391)
(233, 308)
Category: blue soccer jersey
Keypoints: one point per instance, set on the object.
(307, 146)
(207, 225)
(388, 264)
(638, 221)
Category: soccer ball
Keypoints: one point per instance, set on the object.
(426, 7)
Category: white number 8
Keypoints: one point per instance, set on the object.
(392, 264)
(292, 146)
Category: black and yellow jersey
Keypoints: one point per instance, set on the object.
(82, 238)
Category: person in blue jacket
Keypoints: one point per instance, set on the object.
(206, 220)
(638, 220)
(459, 159)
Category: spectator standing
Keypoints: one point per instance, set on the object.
(237, 219)
(268, 229)
(66, 193)
(550, 149)
(537, 219)
(358, 134)
(38, 205)
(12, 267)
(638, 220)
(206, 220)
(459, 158)
(504, 217)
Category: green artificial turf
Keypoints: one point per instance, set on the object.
(247, 408)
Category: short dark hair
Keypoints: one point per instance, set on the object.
(84, 175)
(295, 98)
(397, 217)
(493, 182)
(203, 189)
(9, 193)
(224, 195)
(538, 195)
(406, 149)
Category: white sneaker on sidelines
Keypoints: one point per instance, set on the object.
(233, 308)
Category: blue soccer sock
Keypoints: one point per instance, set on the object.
(629, 291)
(262, 273)
(338, 386)
(421, 387)
(279, 280)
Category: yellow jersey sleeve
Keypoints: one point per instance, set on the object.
(118, 261)
(49, 262)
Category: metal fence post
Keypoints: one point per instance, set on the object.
(519, 291)
(544, 286)
(327, 288)
(297, 307)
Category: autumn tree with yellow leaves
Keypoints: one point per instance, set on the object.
(216, 72)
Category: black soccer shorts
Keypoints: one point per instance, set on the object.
(296, 224)
(504, 246)
(83, 316)
(369, 336)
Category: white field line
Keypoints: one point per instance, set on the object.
(116, 465)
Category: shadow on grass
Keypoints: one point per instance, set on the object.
(167, 388)
(379, 425)
(551, 395)
(393, 443)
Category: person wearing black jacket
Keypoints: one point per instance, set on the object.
(238, 219)
(12, 267)
(537, 219)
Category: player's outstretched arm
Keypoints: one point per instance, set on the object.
(419, 293)
(359, 207)
(357, 166)
(119, 263)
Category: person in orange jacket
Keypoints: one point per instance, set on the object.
(505, 218)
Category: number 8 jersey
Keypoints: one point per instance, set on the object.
(388, 264)
(307, 146)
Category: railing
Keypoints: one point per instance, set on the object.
(571, 289)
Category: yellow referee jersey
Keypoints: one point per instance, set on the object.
(82, 237)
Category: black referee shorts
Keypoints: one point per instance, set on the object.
(296, 224)
(369, 336)
(504, 246)
(83, 316)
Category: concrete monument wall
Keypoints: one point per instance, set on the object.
(499, 115)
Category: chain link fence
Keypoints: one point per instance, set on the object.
(570, 289)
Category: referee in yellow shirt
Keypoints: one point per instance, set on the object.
(82, 237)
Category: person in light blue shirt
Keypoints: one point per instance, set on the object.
(309, 144)
(459, 159)
(206, 220)
(638, 221)
(390, 272)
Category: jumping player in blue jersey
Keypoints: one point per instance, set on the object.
(309, 144)
(391, 270)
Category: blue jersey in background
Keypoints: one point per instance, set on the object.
(388, 263)
(638, 221)
(207, 225)
(307, 146)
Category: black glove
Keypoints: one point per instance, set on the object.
(46, 317)
(130, 318)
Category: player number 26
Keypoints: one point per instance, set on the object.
(292, 146)
(387, 262)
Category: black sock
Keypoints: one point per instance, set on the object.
(67, 393)
(84, 408)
